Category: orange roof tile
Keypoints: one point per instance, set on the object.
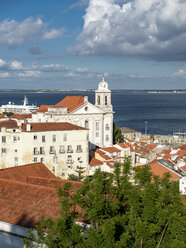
(123, 145)
(24, 204)
(71, 102)
(95, 162)
(20, 117)
(100, 152)
(111, 149)
(52, 182)
(8, 124)
(159, 170)
(51, 126)
(106, 157)
(43, 108)
(21, 173)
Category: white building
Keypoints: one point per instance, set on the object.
(63, 147)
(97, 118)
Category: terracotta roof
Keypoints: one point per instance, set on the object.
(21, 173)
(111, 149)
(95, 162)
(128, 130)
(71, 102)
(99, 152)
(182, 147)
(151, 146)
(21, 117)
(24, 204)
(52, 182)
(183, 168)
(159, 169)
(2, 116)
(123, 145)
(106, 157)
(43, 108)
(8, 124)
(51, 126)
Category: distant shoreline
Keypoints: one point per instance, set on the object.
(41, 91)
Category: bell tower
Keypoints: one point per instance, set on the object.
(103, 97)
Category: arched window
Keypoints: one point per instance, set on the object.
(86, 124)
(98, 100)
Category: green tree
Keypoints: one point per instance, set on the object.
(117, 134)
(8, 113)
(125, 209)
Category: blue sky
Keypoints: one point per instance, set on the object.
(60, 44)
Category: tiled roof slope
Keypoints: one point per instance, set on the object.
(111, 149)
(24, 204)
(95, 162)
(8, 124)
(21, 117)
(51, 126)
(21, 173)
(159, 170)
(44, 108)
(53, 182)
(71, 102)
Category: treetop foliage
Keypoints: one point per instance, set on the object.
(131, 209)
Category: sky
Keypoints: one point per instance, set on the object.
(72, 44)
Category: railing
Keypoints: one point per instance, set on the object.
(35, 153)
(79, 150)
(61, 151)
(52, 152)
(70, 151)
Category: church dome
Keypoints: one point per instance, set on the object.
(103, 85)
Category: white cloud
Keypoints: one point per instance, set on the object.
(54, 67)
(4, 74)
(154, 29)
(14, 33)
(29, 74)
(82, 70)
(16, 65)
(53, 34)
(2, 63)
(180, 73)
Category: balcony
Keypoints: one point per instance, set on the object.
(79, 150)
(70, 151)
(61, 151)
(35, 153)
(52, 152)
(69, 161)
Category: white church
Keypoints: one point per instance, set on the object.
(98, 117)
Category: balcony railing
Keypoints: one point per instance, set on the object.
(35, 153)
(70, 151)
(79, 150)
(61, 151)
(69, 161)
(52, 152)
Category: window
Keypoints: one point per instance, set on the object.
(36, 152)
(16, 159)
(79, 158)
(43, 138)
(42, 159)
(107, 127)
(69, 149)
(62, 149)
(65, 137)
(54, 138)
(55, 159)
(79, 148)
(42, 150)
(98, 100)
(86, 108)
(107, 138)
(15, 150)
(3, 150)
(97, 126)
(35, 160)
(3, 139)
(35, 137)
(52, 149)
(86, 124)
(97, 134)
(106, 100)
(15, 138)
(69, 159)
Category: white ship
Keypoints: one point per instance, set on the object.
(19, 109)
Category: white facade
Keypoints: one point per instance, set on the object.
(182, 185)
(62, 151)
(97, 118)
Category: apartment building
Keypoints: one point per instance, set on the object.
(63, 147)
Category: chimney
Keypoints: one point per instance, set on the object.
(85, 99)
(28, 127)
